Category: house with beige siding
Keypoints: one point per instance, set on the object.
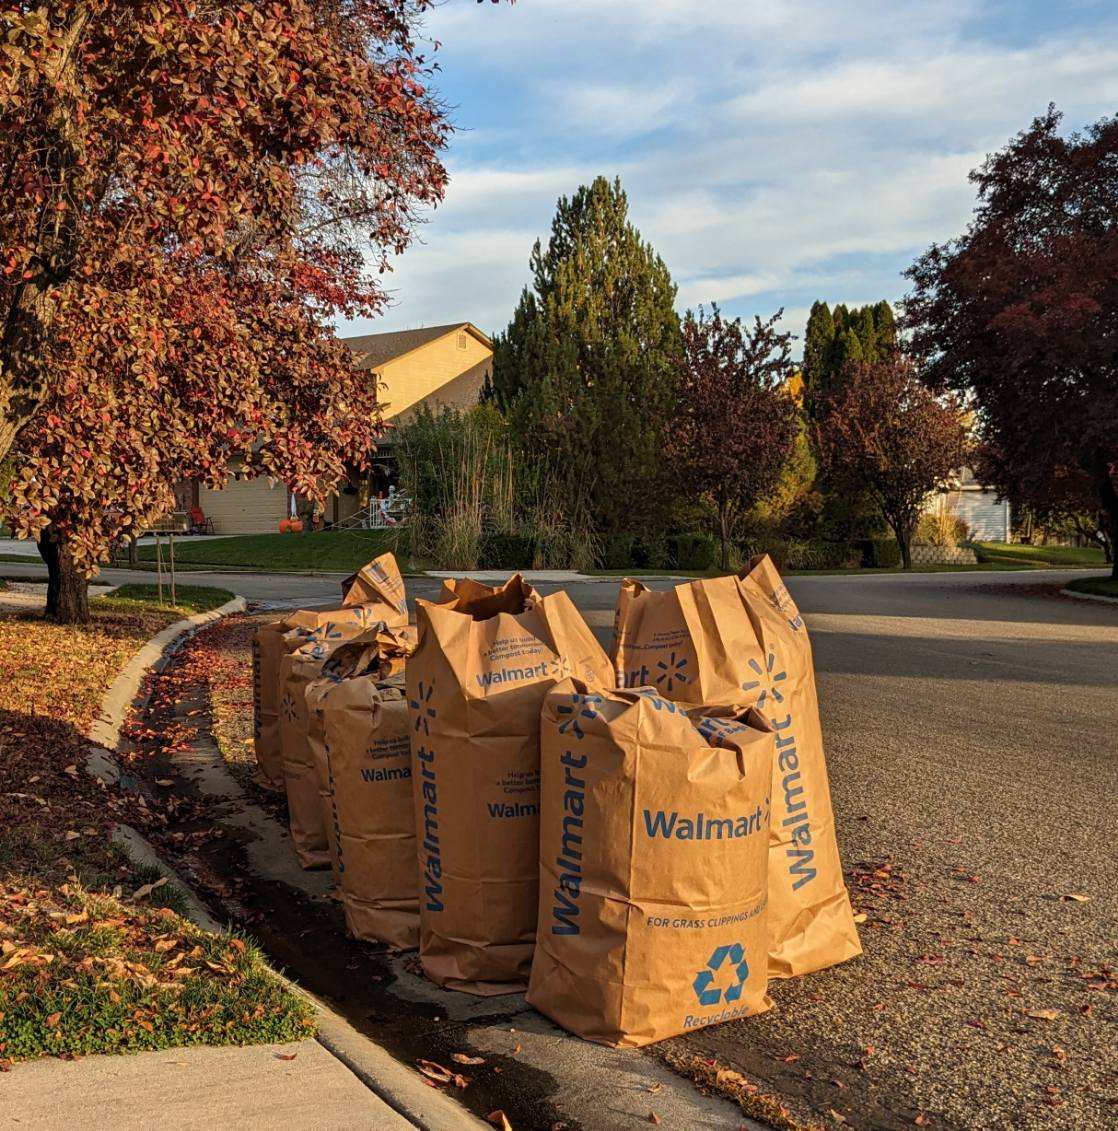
(434, 366)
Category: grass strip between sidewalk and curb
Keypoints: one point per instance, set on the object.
(95, 956)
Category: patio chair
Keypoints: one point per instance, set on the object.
(199, 523)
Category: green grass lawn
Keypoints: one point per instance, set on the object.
(1096, 586)
(188, 598)
(1040, 557)
(95, 956)
(326, 550)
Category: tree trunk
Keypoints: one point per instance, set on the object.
(724, 535)
(133, 552)
(67, 588)
(1108, 498)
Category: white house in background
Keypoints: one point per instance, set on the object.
(988, 518)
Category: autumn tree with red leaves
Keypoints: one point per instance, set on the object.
(735, 425)
(1020, 313)
(883, 428)
(192, 192)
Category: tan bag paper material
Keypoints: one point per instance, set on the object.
(653, 867)
(375, 593)
(377, 654)
(475, 686)
(371, 813)
(740, 642)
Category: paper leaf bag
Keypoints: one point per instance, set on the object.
(374, 594)
(485, 659)
(370, 812)
(653, 867)
(377, 654)
(741, 642)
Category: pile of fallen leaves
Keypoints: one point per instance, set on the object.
(88, 960)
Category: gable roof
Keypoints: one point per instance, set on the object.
(375, 350)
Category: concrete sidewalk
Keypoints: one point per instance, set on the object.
(194, 1088)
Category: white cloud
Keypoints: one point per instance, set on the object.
(773, 152)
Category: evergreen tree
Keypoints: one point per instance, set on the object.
(818, 336)
(885, 326)
(866, 332)
(586, 370)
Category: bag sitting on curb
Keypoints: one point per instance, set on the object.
(739, 642)
(475, 686)
(375, 593)
(653, 867)
(378, 655)
(299, 668)
(368, 758)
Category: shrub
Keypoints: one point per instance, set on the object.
(616, 551)
(880, 553)
(506, 549)
(692, 551)
(941, 528)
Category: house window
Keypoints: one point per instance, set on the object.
(461, 341)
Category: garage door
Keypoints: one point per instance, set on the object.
(245, 506)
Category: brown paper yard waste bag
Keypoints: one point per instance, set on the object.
(653, 866)
(375, 593)
(377, 654)
(368, 758)
(299, 668)
(741, 642)
(486, 658)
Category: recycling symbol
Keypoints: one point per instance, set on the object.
(732, 957)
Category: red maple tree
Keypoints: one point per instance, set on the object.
(883, 428)
(735, 425)
(193, 190)
(1020, 313)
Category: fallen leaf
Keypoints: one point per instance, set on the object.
(145, 890)
(499, 1119)
(837, 1116)
(285, 1055)
(53, 1020)
(164, 781)
(861, 917)
(1075, 897)
(1044, 1014)
(71, 835)
(463, 1058)
(653, 1118)
(921, 1120)
(440, 1074)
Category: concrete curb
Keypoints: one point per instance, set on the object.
(1088, 596)
(401, 1088)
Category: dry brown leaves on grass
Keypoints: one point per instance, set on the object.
(62, 671)
(85, 963)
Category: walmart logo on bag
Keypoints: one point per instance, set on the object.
(796, 821)
(421, 708)
(766, 674)
(580, 707)
(723, 977)
(672, 672)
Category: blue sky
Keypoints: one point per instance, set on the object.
(774, 151)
